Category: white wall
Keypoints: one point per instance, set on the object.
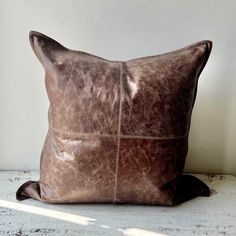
(120, 29)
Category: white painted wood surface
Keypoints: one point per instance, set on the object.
(215, 215)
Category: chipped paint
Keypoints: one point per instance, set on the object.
(213, 215)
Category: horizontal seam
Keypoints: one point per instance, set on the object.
(118, 135)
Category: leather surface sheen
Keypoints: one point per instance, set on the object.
(118, 130)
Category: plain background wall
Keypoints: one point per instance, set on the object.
(118, 30)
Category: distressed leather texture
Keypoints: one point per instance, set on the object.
(118, 130)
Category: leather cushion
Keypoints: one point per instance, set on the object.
(118, 130)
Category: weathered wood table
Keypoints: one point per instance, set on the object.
(215, 215)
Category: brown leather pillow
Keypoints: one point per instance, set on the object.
(118, 130)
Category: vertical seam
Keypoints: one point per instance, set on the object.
(118, 134)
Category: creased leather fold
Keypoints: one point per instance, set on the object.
(118, 130)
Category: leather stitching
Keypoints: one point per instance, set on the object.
(118, 134)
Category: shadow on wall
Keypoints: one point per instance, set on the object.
(213, 116)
